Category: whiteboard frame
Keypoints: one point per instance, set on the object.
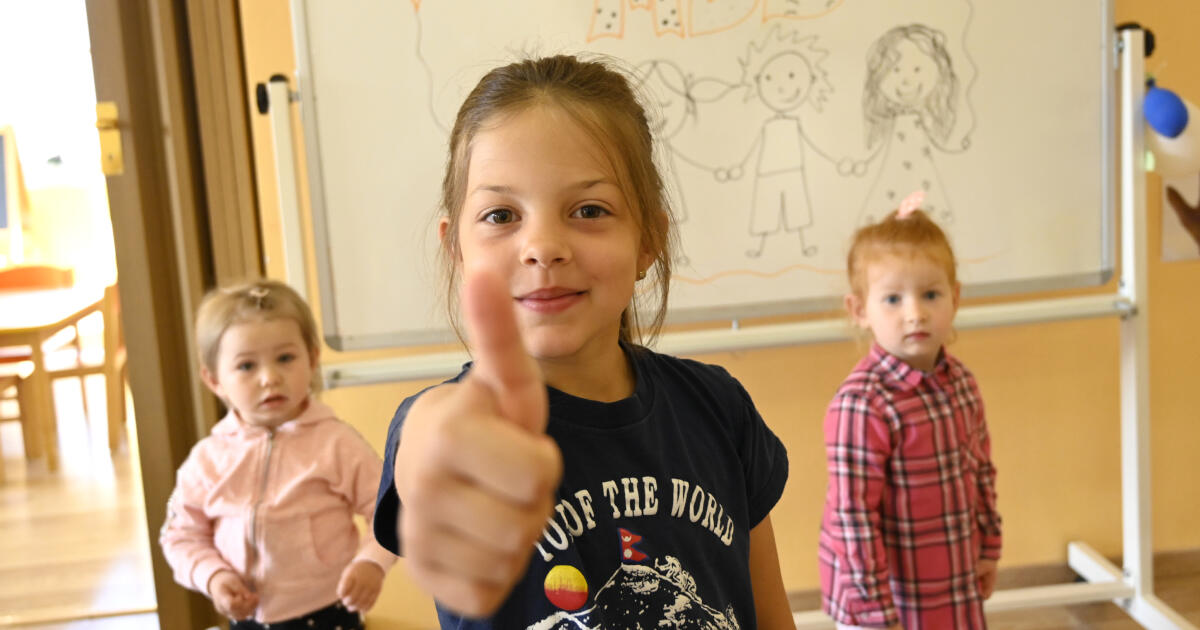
(315, 176)
(342, 341)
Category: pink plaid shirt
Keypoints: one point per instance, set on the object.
(911, 502)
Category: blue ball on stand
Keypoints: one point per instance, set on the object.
(1172, 132)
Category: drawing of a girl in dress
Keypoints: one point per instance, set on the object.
(909, 106)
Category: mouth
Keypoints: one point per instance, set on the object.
(917, 336)
(788, 98)
(910, 95)
(273, 401)
(550, 300)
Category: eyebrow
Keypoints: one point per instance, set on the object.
(287, 345)
(508, 190)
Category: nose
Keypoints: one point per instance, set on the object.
(545, 242)
(914, 311)
(268, 375)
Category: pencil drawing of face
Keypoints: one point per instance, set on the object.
(784, 71)
(784, 81)
(911, 78)
(670, 97)
(910, 71)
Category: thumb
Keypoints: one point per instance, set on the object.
(502, 365)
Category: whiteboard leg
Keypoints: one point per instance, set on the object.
(1150, 612)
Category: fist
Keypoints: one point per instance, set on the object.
(230, 595)
(475, 471)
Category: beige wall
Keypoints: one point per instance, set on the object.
(1051, 390)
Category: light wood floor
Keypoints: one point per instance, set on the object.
(73, 544)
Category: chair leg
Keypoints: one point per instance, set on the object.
(78, 343)
(29, 434)
(25, 404)
(87, 416)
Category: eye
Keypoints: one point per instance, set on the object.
(932, 294)
(892, 299)
(591, 211)
(500, 216)
(287, 357)
(245, 366)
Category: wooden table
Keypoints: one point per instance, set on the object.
(29, 318)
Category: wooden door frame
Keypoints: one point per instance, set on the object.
(184, 216)
(223, 113)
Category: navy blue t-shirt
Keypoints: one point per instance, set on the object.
(658, 497)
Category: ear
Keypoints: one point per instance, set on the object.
(645, 259)
(957, 294)
(856, 308)
(647, 255)
(314, 358)
(443, 231)
(211, 381)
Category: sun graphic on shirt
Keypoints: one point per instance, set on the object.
(566, 588)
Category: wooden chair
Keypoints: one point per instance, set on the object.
(34, 277)
(113, 367)
(70, 364)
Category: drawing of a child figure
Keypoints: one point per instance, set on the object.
(909, 103)
(672, 100)
(784, 72)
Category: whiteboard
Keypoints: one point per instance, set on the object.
(1009, 130)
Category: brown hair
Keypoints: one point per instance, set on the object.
(915, 234)
(600, 100)
(259, 300)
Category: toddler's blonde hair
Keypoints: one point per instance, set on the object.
(258, 300)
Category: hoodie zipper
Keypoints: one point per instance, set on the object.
(252, 533)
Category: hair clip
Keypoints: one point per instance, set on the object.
(910, 203)
(259, 294)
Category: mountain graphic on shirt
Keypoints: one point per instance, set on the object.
(639, 596)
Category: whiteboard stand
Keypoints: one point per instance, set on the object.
(1131, 588)
(277, 92)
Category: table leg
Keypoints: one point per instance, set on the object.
(43, 403)
(31, 424)
(114, 377)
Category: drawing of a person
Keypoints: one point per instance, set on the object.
(909, 106)
(671, 103)
(784, 72)
(673, 96)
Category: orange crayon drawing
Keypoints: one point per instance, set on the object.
(701, 17)
(798, 9)
(754, 274)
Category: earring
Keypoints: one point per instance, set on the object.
(641, 274)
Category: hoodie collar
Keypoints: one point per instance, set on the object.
(232, 424)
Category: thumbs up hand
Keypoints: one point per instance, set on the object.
(475, 471)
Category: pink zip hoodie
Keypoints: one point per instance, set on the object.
(277, 508)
